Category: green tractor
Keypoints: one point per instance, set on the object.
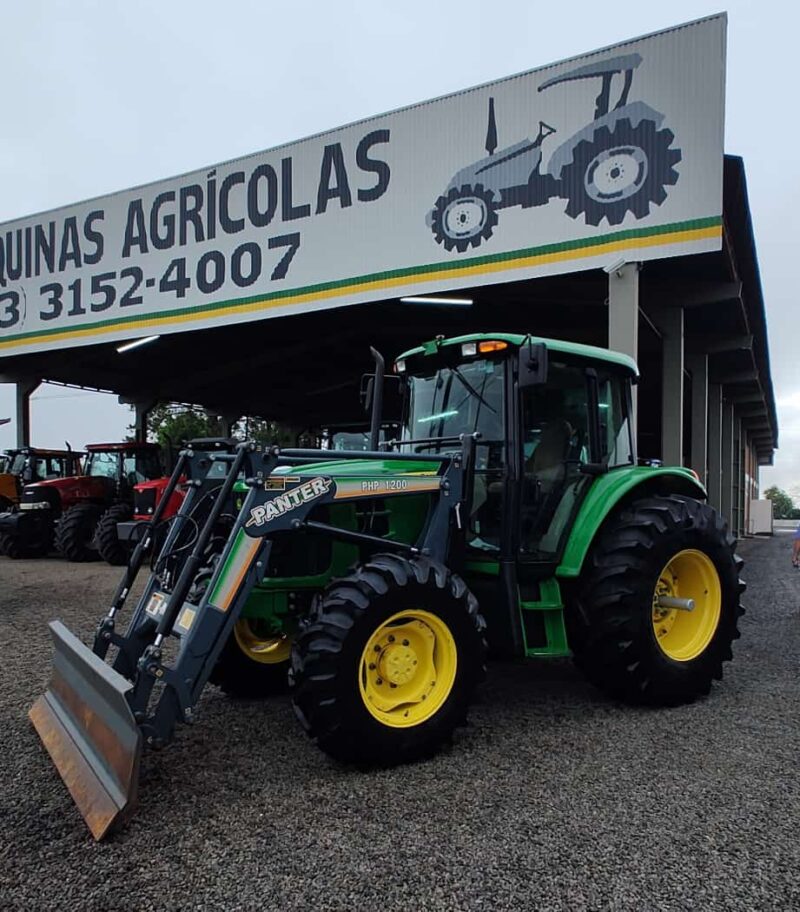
(510, 513)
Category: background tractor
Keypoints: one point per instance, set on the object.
(121, 525)
(30, 464)
(621, 162)
(510, 512)
(66, 511)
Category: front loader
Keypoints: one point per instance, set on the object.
(510, 510)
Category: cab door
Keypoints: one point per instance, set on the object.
(558, 433)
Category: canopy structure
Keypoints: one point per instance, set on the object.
(265, 280)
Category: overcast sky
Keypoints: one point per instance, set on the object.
(100, 95)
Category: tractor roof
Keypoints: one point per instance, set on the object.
(589, 352)
(120, 447)
(46, 451)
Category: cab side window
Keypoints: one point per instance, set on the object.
(555, 428)
(615, 428)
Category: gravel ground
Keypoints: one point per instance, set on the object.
(553, 798)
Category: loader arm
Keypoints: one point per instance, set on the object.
(96, 719)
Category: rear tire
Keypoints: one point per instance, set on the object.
(621, 169)
(340, 698)
(626, 644)
(75, 534)
(109, 547)
(252, 664)
(40, 546)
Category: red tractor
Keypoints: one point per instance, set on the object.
(117, 533)
(67, 511)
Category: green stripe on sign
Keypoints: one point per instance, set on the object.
(356, 283)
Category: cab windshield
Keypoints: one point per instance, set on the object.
(102, 465)
(18, 463)
(462, 399)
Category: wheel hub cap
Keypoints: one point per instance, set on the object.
(465, 217)
(407, 668)
(397, 664)
(616, 174)
(685, 635)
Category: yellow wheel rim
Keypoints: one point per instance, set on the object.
(684, 635)
(408, 668)
(261, 645)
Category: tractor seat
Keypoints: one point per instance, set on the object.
(548, 460)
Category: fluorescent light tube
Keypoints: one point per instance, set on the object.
(136, 343)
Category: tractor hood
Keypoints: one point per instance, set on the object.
(350, 468)
(354, 478)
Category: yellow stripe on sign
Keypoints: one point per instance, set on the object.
(543, 259)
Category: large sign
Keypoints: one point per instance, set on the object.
(617, 154)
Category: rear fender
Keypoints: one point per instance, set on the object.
(635, 112)
(608, 493)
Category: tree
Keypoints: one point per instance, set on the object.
(782, 505)
(171, 424)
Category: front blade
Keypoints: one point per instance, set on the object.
(88, 728)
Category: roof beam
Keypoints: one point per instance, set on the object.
(697, 294)
(713, 345)
(743, 376)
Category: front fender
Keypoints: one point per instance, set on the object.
(607, 493)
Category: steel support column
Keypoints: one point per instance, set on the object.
(697, 362)
(141, 411)
(24, 390)
(727, 500)
(714, 476)
(670, 322)
(623, 315)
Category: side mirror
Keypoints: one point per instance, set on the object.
(532, 364)
(392, 407)
(366, 391)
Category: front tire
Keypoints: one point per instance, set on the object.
(464, 216)
(75, 534)
(254, 662)
(365, 671)
(109, 547)
(623, 637)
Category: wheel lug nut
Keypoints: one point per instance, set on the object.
(379, 681)
(377, 648)
(372, 666)
(405, 642)
(391, 638)
(392, 685)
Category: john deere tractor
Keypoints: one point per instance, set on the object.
(510, 512)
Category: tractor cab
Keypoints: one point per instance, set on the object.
(124, 464)
(29, 465)
(545, 422)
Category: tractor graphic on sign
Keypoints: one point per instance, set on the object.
(621, 162)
